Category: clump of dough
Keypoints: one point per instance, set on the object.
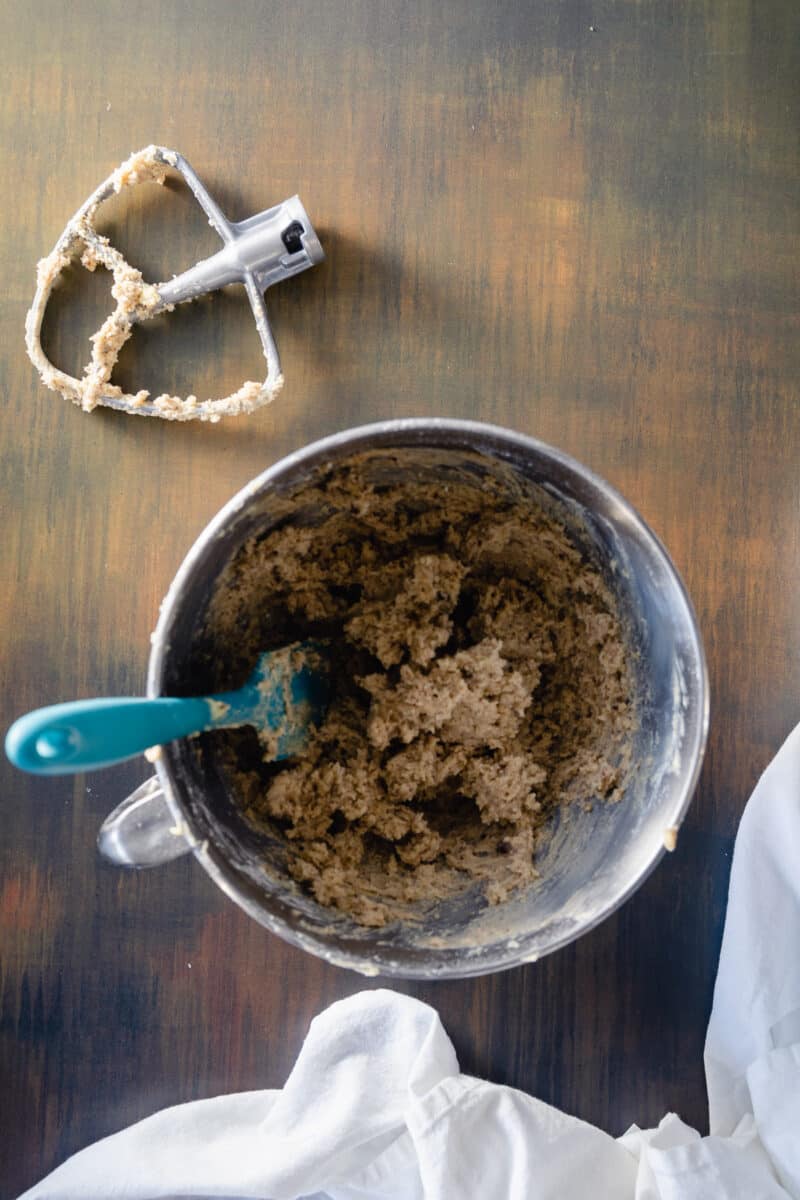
(481, 678)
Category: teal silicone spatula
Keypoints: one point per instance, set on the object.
(284, 698)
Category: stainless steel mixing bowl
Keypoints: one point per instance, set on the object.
(589, 863)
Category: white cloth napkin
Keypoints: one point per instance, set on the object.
(376, 1108)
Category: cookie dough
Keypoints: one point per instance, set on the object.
(480, 677)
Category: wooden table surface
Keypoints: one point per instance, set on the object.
(579, 220)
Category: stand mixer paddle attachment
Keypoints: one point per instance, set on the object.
(259, 252)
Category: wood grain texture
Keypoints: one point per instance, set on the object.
(579, 220)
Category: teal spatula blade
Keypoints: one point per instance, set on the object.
(285, 698)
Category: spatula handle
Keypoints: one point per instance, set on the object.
(82, 735)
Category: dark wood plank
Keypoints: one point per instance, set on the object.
(579, 220)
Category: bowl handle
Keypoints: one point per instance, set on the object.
(142, 830)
